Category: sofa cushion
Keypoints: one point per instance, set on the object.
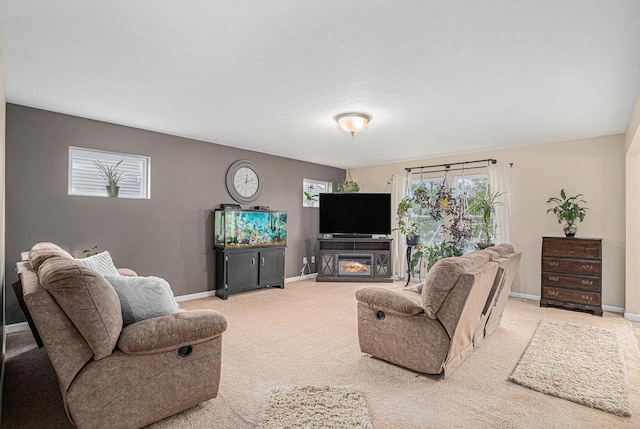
(100, 263)
(444, 275)
(43, 251)
(87, 299)
(143, 297)
(502, 249)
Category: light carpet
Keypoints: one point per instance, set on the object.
(583, 364)
(315, 407)
(307, 335)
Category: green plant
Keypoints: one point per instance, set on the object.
(484, 204)
(406, 224)
(567, 208)
(348, 187)
(90, 252)
(111, 173)
(434, 253)
(310, 197)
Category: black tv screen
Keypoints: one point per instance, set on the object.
(361, 214)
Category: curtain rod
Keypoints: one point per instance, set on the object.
(448, 165)
(440, 171)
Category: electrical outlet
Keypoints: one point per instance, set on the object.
(304, 260)
(313, 259)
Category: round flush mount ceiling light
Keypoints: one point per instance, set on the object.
(353, 122)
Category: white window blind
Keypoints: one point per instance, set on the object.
(86, 178)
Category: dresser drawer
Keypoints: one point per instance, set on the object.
(582, 248)
(572, 266)
(568, 295)
(571, 282)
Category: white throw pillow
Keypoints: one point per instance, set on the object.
(100, 263)
(143, 297)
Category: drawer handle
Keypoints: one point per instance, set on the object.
(587, 282)
(553, 293)
(253, 261)
(587, 267)
(586, 298)
(553, 278)
(553, 264)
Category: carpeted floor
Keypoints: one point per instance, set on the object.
(306, 334)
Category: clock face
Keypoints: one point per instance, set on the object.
(244, 181)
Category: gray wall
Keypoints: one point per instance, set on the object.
(168, 236)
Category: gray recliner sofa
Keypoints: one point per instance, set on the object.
(433, 328)
(110, 376)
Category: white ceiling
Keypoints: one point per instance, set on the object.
(438, 77)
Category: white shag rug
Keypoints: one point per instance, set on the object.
(581, 363)
(311, 407)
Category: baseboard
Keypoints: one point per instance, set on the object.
(518, 295)
(213, 292)
(305, 277)
(610, 308)
(632, 317)
(16, 327)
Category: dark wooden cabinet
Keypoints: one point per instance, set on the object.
(572, 273)
(239, 270)
(354, 260)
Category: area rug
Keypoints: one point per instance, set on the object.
(580, 363)
(311, 407)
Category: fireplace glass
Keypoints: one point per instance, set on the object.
(354, 265)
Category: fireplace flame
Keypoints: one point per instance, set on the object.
(355, 267)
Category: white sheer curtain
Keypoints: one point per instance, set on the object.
(500, 181)
(399, 188)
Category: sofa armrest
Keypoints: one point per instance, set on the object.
(161, 334)
(391, 301)
(127, 272)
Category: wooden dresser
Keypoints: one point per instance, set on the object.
(572, 273)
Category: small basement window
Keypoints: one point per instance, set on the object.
(311, 190)
(86, 178)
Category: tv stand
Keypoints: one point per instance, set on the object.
(355, 259)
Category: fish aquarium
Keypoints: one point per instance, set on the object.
(249, 228)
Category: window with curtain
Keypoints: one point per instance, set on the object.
(86, 178)
(431, 230)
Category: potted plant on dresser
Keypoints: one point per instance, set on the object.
(568, 209)
(112, 175)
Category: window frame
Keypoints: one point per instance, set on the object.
(84, 176)
(306, 183)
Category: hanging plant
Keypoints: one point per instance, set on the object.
(348, 185)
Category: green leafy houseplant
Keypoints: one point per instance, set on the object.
(434, 253)
(348, 187)
(484, 204)
(568, 209)
(406, 224)
(112, 175)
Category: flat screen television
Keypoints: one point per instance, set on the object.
(355, 214)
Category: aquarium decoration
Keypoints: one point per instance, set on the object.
(249, 228)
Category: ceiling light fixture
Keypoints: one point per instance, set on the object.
(352, 122)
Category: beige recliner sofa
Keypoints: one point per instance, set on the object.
(432, 329)
(110, 376)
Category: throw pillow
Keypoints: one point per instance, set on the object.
(100, 263)
(143, 297)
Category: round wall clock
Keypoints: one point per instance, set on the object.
(244, 181)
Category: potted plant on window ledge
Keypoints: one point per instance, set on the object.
(568, 209)
(112, 175)
(484, 204)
